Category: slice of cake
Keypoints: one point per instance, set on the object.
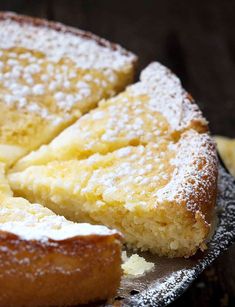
(156, 107)
(160, 196)
(46, 260)
(50, 74)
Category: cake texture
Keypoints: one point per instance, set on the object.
(46, 260)
(155, 107)
(50, 75)
(142, 162)
(4, 184)
(160, 196)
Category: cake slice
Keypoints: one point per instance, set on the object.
(46, 260)
(50, 74)
(155, 107)
(160, 196)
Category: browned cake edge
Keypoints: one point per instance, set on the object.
(197, 191)
(74, 271)
(39, 22)
(199, 187)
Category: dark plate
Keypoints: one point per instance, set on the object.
(171, 277)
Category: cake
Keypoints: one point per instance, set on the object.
(141, 162)
(50, 75)
(46, 260)
(226, 148)
(155, 107)
(160, 196)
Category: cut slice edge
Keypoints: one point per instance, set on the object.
(165, 210)
(55, 261)
(155, 107)
(47, 69)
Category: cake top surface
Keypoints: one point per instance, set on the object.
(50, 75)
(167, 96)
(155, 107)
(34, 222)
(35, 90)
(57, 41)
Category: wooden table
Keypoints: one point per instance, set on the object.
(196, 39)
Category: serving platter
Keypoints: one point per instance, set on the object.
(171, 277)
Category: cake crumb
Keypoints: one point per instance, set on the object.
(135, 265)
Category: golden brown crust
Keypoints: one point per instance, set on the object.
(57, 273)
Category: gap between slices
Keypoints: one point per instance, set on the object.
(49, 83)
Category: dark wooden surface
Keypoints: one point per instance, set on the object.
(194, 38)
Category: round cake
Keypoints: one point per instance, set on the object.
(85, 152)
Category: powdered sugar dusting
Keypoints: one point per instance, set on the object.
(167, 96)
(162, 291)
(195, 174)
(51, 227)
(156, 107)
(54, 72)
(86, 53)
(34, 222)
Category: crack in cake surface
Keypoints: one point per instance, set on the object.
(49, 82)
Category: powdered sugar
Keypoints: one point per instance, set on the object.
(195, 172)
(85, 52)
(45, 64)
(167, 96)
(33, 222)
(155, 291)
(52, 228)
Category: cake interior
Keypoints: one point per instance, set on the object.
(124, 190)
